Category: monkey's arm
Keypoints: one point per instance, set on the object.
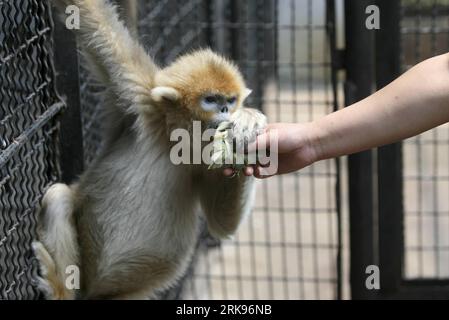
(117, 59)
(225, 201)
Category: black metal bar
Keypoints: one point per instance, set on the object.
(331, 25)
(67, 81)
(428, 289)
(210, 16)
(390, 180)
(234, 18)
(360, 74)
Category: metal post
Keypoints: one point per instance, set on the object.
(390, 181)
(359, 84)
(332, 38)
(67, 82)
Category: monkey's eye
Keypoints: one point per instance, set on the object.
(232, 100)
(210, 99)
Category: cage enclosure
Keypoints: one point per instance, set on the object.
(303, 59)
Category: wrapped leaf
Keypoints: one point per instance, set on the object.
(222, 146)
(223, 155)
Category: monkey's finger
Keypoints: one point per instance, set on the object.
(228, 172)
(248, 171)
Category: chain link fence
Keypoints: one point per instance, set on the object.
(288, 248)
(28, 137)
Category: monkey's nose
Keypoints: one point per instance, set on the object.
(224, 109)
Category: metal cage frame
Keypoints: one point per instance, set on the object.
(43, 139)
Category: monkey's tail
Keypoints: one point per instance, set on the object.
(58, 246)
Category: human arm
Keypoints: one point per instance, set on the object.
(415, 102)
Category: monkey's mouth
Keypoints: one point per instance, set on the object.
(218, 119)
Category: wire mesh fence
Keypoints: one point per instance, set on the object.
(28, 137)
(425, 33)
(288, 247)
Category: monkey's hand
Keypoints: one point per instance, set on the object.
(232, 138)
(247, 123)
(114, 56)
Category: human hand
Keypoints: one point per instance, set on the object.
(297, 147)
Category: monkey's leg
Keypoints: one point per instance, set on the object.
(48, 282)
(58, 247)
(132, 276)
(119, 61)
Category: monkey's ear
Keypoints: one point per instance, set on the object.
(246, 93)
(159, 94)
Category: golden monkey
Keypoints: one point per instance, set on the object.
(129, 223)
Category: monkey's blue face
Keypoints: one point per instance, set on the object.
(219, 105)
